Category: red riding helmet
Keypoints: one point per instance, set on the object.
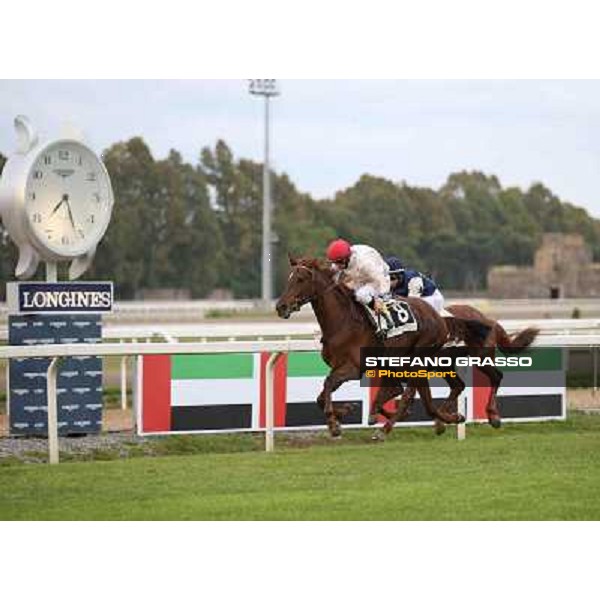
(338, 250)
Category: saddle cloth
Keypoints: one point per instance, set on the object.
(402, 316)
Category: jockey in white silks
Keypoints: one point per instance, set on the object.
(363, 270)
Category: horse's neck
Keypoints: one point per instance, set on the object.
(327, 325)
(332, 310)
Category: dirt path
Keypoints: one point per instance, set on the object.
(114, 419)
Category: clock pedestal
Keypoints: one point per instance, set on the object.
(56, 201)
(45, 313)
(79, 379)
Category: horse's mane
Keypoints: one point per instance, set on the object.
(357, 313)
(315, 263)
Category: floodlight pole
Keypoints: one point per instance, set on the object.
(266, 88)
(267, 266)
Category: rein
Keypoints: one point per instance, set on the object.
(312, 272)
(333, 286)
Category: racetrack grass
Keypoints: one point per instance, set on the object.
(530, 471)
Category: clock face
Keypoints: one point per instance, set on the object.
(68, 199)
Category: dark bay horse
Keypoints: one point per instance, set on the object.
(497, 337)
(346, 328)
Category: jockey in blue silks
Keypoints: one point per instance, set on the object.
(407, 282)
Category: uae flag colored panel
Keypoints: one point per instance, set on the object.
(200, 393)
(306, 373)
(526, 393)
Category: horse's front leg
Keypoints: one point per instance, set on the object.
(332, 382)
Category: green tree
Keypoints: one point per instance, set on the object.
(298, 226)
(163, 232)
(127, 252)
(8, 252)
(190, 250)
(236, 191)
(377, 212)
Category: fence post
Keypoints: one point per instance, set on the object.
(7, 380)
(269, 403)
(123, 381)
(595, 359)
(52, 410)
(461, 428)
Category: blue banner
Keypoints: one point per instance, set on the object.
(68, 297)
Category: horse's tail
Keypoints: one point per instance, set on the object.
(517, 343)
(469, 331)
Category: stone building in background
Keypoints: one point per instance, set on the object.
(562, 268)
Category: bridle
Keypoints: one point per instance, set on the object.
(299, 302)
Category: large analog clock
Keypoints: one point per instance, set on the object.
(68, 199)
(56, 201)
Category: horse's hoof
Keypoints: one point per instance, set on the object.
(439, 428)
(372, 420)
(496, 423)
(378, 437)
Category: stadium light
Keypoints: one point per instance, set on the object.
(267, 88)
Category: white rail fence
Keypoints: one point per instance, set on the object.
(56, 352)
(259, 330)
(283, 329)
(549, 330)
(262, 330)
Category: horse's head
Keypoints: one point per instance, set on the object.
(305, 280)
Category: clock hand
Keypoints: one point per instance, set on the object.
(65, 197)
(70, 213)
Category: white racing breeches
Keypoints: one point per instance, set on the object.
(436, 300)
(365, 294)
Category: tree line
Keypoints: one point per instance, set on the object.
(198, 226)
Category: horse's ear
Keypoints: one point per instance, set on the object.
(293, 260)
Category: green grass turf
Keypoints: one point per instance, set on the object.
(534, 472)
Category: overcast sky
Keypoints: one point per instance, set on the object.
(326, 133)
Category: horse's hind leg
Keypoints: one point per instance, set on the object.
(491, 409)
(450, 404)
(434, 413)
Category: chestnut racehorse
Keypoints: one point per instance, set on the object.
(346, 328)
(496, 338)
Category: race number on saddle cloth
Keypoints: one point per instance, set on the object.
(402, 319)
